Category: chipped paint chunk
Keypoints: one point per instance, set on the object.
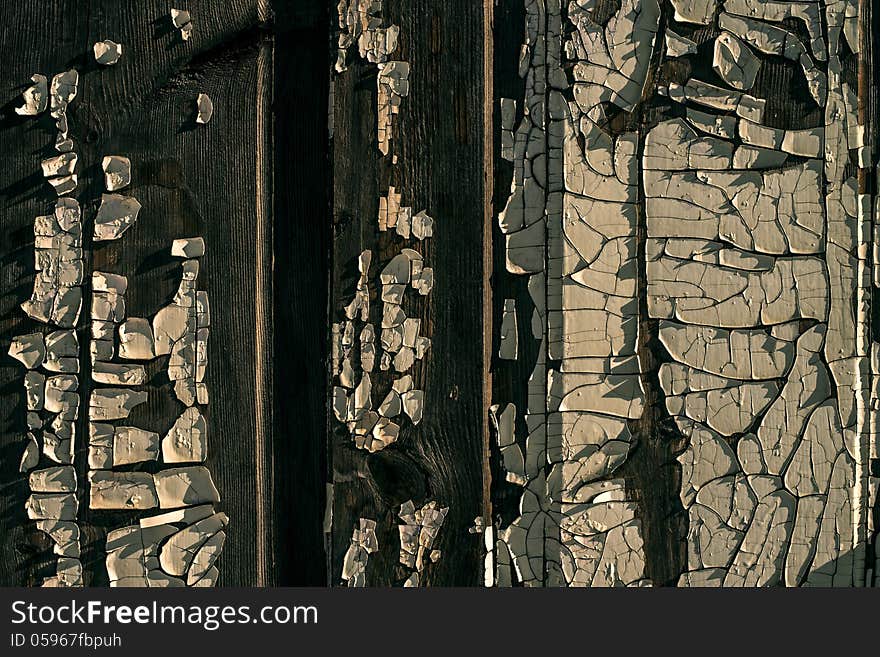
(204, 108)
(107, 52)
(363, 544)
(181, 19)
(116, 215)
(117, 172)
(36, 97)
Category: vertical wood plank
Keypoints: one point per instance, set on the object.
(438, 140)
(191, 180)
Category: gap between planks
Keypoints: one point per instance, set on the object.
(263, 314)
(488, 260)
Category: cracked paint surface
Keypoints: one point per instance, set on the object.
(176, 548)
(51, 355)
(570, 225)
(755, 268)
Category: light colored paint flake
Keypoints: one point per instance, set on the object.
(734, 62)
(419, 532)
(134, 445)
(29, 350)
(204, 109)
(393, 85)
(114, 403)
(509, 346)
(68, 573)
(186, 486)
(116, 214)
(30, 457)
(181, 19)
(121, 490)
(361, 22)
(678, 45)
(107, 52)
(176, 555)
(700, 12)
(62, 91)
(136, 339)
(54, 479)
(191, 247)
(117, 374)
(363, 544)
(36, 97)
(187, 440)
(117, 172)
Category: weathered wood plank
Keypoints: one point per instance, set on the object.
(285, 186)
(190, 181)
(437, 141)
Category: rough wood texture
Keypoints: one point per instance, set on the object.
(437, 139)
(190, 181)
(285, 183)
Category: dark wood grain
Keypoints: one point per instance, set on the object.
(190, 181)
(438, 140)
(284, 185)
(301, 238)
